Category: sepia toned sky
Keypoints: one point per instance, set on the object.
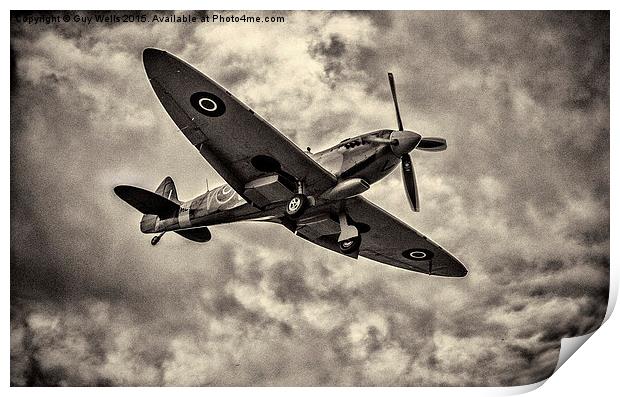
(521, 197)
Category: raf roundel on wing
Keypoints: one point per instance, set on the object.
(208, 104)
(418, 254)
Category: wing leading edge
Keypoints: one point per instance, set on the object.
(390, 241)
(239, 144)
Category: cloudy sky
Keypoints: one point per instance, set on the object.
(521, 196)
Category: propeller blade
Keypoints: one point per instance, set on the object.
(393, 88)
(432, 144)
(409, 181)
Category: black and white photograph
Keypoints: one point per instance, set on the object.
(306, 198)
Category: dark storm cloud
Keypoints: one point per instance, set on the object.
(521, 196)
(330, 53)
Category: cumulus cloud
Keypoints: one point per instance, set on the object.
(521, 197)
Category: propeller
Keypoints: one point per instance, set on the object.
(393, 88)
(432, 144)
(402, 143)
(409, 181)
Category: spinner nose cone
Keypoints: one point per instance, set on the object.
(407, 141)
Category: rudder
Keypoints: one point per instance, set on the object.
(167, 189)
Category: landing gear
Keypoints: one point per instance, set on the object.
(296, 206)
(349, 240)
(350, 245)
(156, 239)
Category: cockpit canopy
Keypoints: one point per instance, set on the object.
(359, 140)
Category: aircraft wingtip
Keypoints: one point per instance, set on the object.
(120, 190)
(151, 55)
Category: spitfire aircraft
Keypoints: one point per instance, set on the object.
(316, 196)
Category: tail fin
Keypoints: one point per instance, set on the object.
(168, 190)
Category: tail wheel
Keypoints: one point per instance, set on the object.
(350, 245)
(156, 239)
(296, 205)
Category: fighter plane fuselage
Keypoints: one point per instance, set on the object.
(352, 158)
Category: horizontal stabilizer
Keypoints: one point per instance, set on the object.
(199, 234)
(146, 202)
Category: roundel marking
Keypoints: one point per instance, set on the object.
(347, 244)
(418, 254)
(208, 104)
(225, 194)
